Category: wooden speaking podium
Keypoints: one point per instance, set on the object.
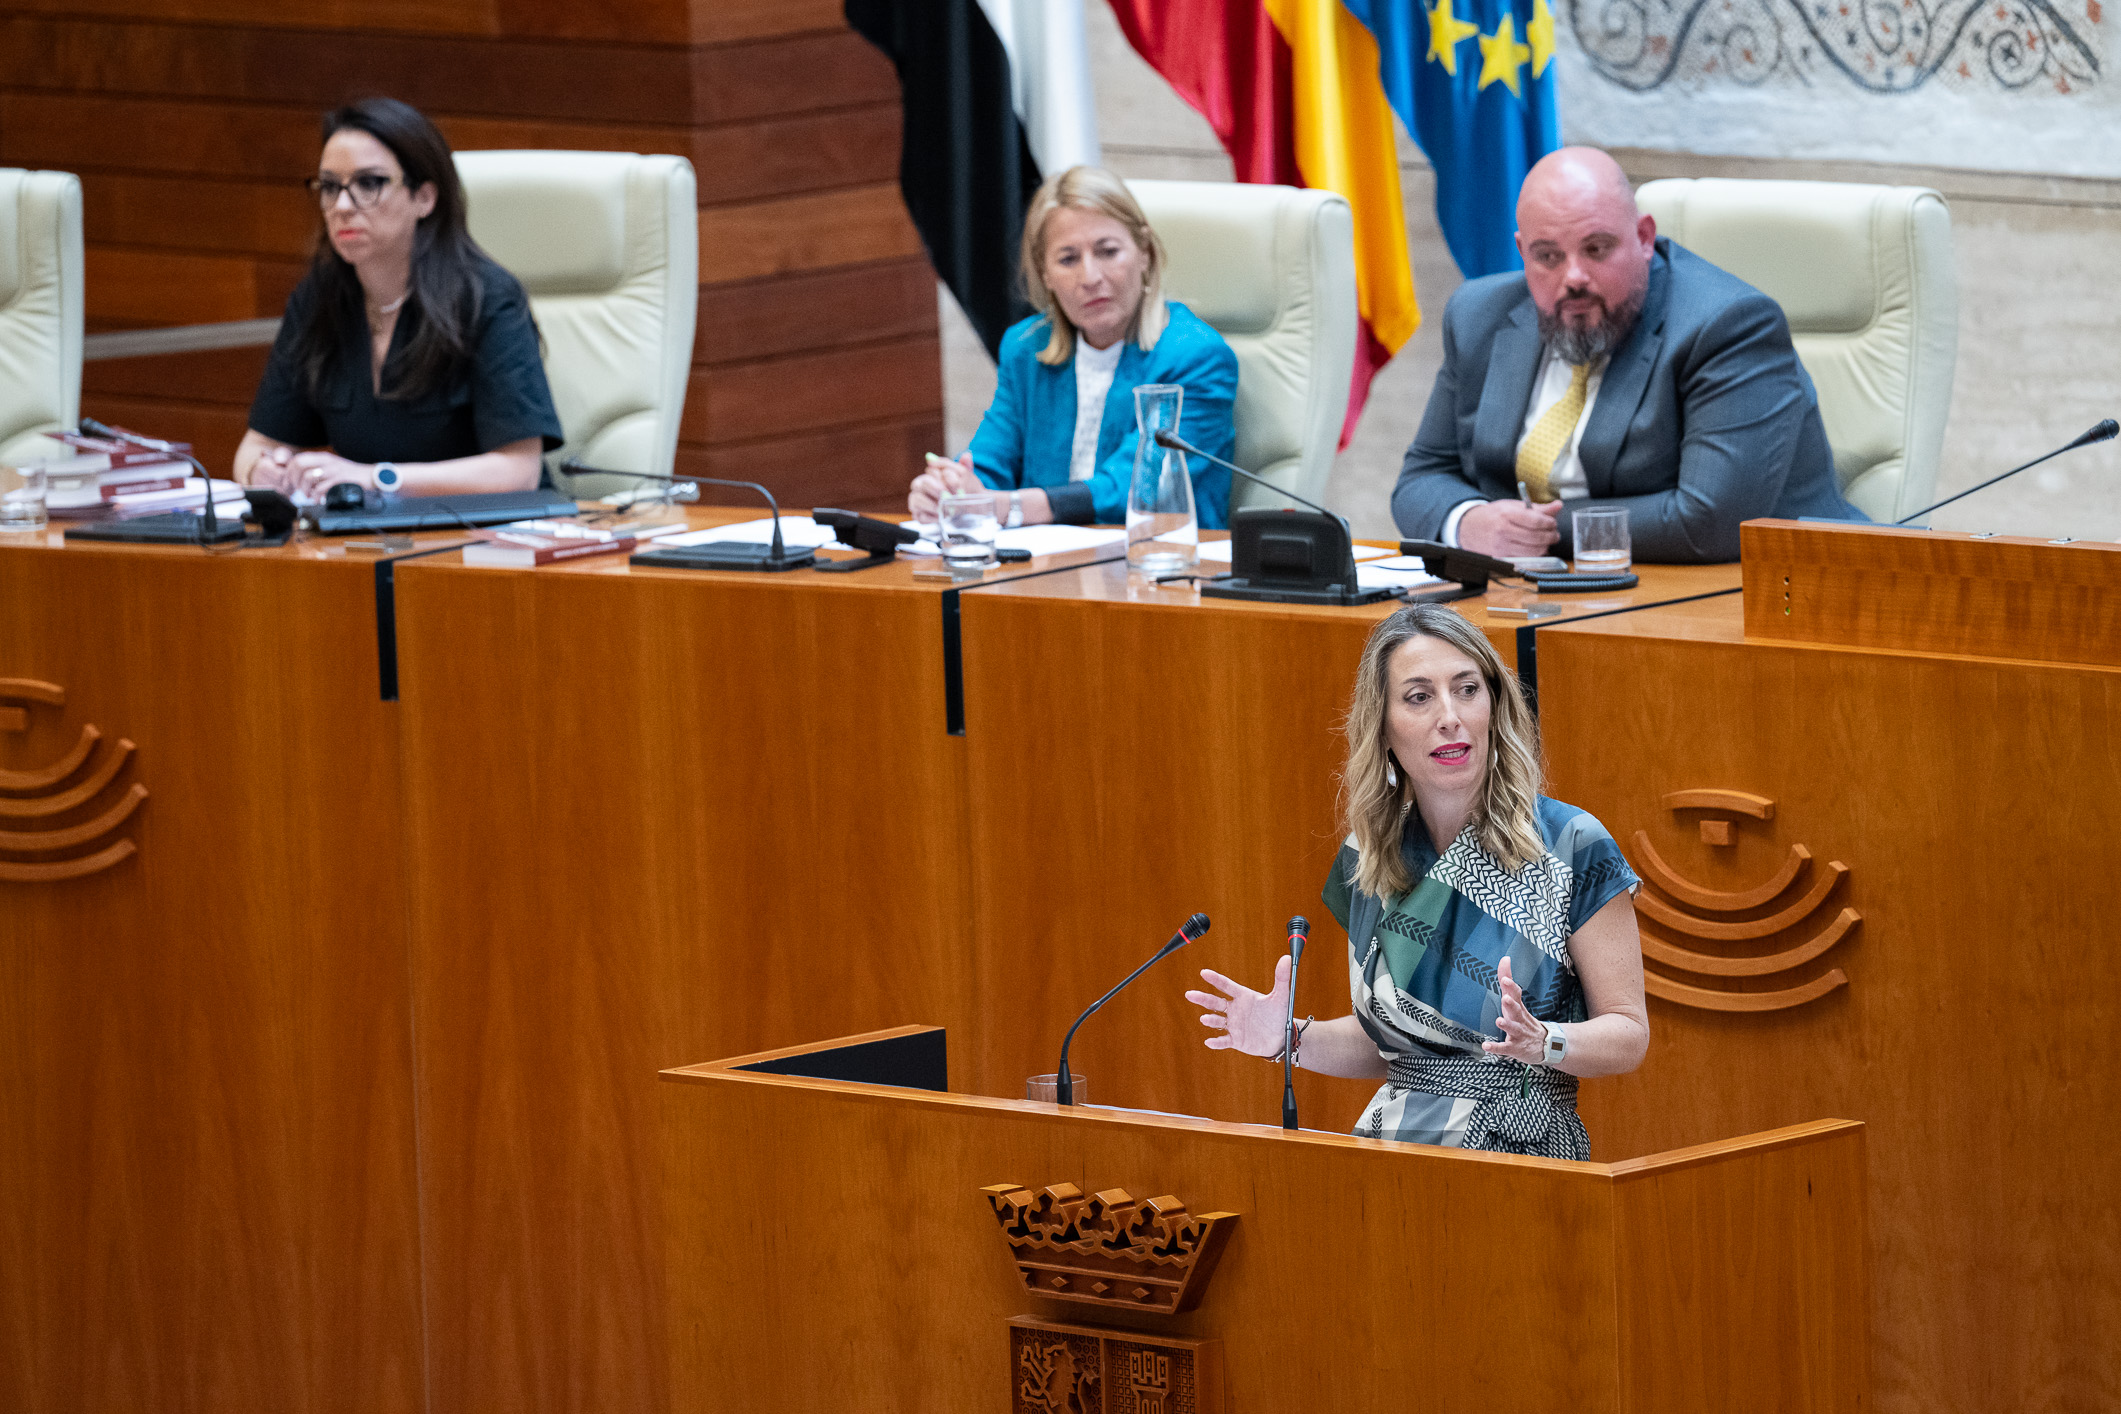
(842, 1234)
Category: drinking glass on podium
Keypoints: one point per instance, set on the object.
(967, 530)
(1603, 545)
(22, 498)
(1047, 1087)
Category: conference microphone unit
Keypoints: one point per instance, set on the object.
(1282, 556)
(718, 554)
(1299, 931)
(209, 529)
(1189, 930)
(2100, 433)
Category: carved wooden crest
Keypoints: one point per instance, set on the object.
(44, 793)
(1110, 1249)
(1791, 898)
(1057, 1369)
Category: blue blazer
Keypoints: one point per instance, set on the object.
(1029, 431)
(1705, 417)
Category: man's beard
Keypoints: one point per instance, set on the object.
(1586, 343)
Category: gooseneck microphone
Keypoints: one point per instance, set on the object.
(1176, 443)
(1189, 930)
(209, 526)
(1299, 931)
(776, 555)
(2100, 433)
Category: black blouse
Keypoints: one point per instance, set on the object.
(497, 396)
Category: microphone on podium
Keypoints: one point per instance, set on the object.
(1064, 1091)
(209, 527)
(1299, 931)
(2100, 433)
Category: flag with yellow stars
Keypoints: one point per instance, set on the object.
(1473, 80)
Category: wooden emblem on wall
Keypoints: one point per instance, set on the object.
(1795, 896)
(1114, 1251)
(1111, 1249)
(74, 780)
(1088, 1370)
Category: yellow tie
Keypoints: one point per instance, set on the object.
(1535, 459)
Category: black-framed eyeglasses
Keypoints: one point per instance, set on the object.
(367, 189)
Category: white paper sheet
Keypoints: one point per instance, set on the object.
(797, 533)
(1397, 572)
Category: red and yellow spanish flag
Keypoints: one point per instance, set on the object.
(1292, 89)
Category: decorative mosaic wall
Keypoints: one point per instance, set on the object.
(2005, 85)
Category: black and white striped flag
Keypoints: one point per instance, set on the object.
(997, 96)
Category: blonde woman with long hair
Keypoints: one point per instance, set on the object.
(1491, 931)
(1057, 443)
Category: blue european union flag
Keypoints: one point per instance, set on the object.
(1473, 80)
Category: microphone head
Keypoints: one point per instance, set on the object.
(89, 427)
(1195, 926)
(2100, 433)
(1300, 926)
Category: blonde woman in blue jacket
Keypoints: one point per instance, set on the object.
(1057, 443)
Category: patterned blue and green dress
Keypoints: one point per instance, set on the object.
(1422, 974)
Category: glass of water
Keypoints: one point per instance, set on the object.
(968, 529)
(22, 493)
(1602, 543)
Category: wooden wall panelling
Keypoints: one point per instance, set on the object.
(856, 468)
(1968, 799)
(629, 82)
(733, 815)
(207, 1194)
(400, 16)
(786, 314)
(191, 138)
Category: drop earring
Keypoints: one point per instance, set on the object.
(1391, 774)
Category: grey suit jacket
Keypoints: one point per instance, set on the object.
(1704, 417)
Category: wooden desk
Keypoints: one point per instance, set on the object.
(1132, 742)
(830, 1248)
(1964, 1017)
(651, 814)
(207, 1136)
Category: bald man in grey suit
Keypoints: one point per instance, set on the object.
(1670, 386)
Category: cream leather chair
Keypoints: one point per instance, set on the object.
(607, 244)
(40, 310)
(1272, 269)
(1865, 275)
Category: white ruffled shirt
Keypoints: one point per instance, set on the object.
(1094, 371)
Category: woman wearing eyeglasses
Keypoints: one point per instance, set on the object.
(407, 361)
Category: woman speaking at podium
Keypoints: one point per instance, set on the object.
(1057, 443)
(406, 351)
(1491, 930)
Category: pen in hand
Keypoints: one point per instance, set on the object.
(1524, 493)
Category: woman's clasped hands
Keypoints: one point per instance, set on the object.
(1243, 1019)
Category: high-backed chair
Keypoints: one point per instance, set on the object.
(1272, 269)
(607, 244)
(1865, 275)
(40, 310)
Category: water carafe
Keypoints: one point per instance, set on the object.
(1163, 534)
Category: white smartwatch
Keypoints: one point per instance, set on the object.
(1016, 510)
(387, 478)
(1557, 1047)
